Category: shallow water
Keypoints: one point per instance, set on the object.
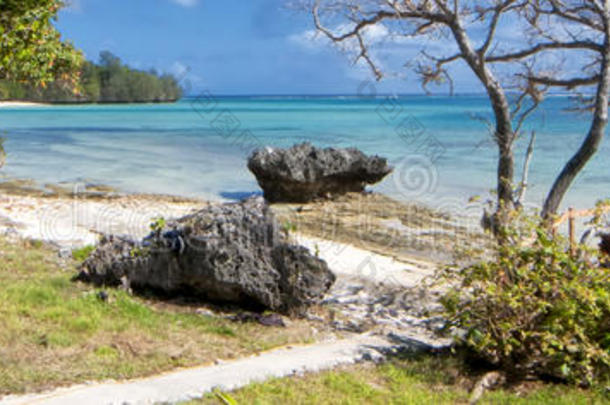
(198, 147)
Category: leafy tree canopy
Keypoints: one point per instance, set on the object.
(31, 48)
(109, 81)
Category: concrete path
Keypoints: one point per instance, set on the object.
(192, 383)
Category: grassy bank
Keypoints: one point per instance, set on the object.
(421, 380)
(56, 332)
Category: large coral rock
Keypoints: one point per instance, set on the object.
(229, 253)
(304, 173)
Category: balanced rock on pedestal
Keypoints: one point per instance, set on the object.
(226, 253)
(304, 173)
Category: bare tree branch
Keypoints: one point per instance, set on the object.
(511, 57)
(556, 27)
(526, 169)
(570, 83)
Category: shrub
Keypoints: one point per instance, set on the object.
(535, 309)
(81, 254)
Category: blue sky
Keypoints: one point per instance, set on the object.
(229, 46)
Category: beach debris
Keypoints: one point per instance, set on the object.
(304, 173)
(231, 252)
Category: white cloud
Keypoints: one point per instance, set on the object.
(309, 39)
(186, 3)
(190, 82)
(377, 33)
(179, 69)
(74, 6)
(394, 54)
(377, 37)
(313, 39)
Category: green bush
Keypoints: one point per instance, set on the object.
(535, 309)
(81, 254)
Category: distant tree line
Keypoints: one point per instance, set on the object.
(109, 81)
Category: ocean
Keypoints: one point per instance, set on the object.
(440, 146)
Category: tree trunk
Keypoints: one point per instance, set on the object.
(591, 143)
(504, 134)
(506, 169)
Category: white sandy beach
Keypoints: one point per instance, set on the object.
(73, 223)
(15, 104)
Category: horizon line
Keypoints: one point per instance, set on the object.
(384, 94)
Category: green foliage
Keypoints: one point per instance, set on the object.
(600, 219)
(31, 48)
(137, 252)
(107, 82)
(289, 227)
(35, 243)
(158, 224)
(82, 253)
(535, 309)
(225, 398)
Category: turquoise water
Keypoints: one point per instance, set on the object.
(198, 147)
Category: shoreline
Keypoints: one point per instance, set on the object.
(83, 190)
(371, 220)
(18, 103)
(14, 104)
(71, 216)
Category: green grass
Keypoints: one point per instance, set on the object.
(56, 332)
(82, 253)
(423, 380)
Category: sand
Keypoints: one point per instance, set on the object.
(14, 104)
(73, 222)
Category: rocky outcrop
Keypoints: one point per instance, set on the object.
(304, 173)
(228, 253)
